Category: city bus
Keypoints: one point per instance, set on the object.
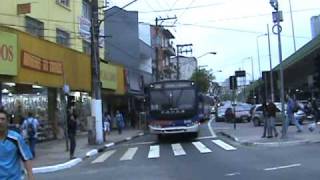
(173, 108)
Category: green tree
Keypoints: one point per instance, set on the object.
(203, 79)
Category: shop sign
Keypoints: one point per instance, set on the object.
(108, 76)
(84, 28)
(24, 8)
(8, 53)
(85, 31)
(39, 64)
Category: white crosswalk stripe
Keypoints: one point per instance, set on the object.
(201, 147)
(224, 145)
(129, 154)
(178, 150)
(104, 157)
(154, 152)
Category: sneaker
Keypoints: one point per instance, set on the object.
(299, 131)
(276, 135)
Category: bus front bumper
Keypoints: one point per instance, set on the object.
(174, 130)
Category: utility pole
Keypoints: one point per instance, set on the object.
(96, 104)
(180, 50)
(292, 28)
(158, 44)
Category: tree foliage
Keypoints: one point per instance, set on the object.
(203, 79)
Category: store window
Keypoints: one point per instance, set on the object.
(64, 2)
(86, 47)
(34, 26)
(86, 9)
(63, 38)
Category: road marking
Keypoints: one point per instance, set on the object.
(103, 157)
(282, 167)
(210, 129)
(201, 147)
(205, 137)
(178, 150)
(233, 174)
(154, 152)
(224, 145)
(141, 143)
(129, 154)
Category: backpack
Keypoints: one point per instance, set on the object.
(31, 131)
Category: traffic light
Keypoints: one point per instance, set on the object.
(233, 82)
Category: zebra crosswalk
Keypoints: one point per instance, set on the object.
(154, 151)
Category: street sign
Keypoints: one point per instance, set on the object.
(240, 73)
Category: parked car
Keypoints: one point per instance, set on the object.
(257, 115)
(242, 113)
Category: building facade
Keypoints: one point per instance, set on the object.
(161, 40)
(65, 22)
(315, 26)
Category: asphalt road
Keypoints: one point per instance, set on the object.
(147, 158)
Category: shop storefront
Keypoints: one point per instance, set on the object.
(113, 89)
(32, 74)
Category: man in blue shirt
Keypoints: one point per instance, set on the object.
(13, 149)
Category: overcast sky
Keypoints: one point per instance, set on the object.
(230, 28)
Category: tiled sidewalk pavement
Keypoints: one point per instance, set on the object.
(246, 133)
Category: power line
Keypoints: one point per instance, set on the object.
(182, 8)
(231, 29)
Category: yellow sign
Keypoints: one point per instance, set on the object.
(108, 76)
(40, 64)
(8, 53)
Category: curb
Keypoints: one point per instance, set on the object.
(269, 144)
(74, 162)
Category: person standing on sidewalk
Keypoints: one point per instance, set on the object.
(271, 113)
(120, 121)
(13, 149)
(72, 130)
(30, 128)
(106, 124)
(292, 107)
(265, 120)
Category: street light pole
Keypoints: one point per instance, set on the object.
(270, 62)
(292, 27)
(258, 53)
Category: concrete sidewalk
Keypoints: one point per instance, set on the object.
(247, 134)
(54, 152)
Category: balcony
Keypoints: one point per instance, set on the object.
(169, 49)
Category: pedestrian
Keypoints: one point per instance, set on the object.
(72, 130)
(30, 128)
(13, 151)
(265, 120)
(119, 121)
(292, 107)
(315, 110)
(271, 113)
(106, 124)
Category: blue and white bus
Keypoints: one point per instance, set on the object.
(173, 107)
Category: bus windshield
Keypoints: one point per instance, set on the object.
(172, 99)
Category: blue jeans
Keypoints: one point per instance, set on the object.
(32, 144)
(292, 119)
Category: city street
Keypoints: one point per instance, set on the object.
(203, 158)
